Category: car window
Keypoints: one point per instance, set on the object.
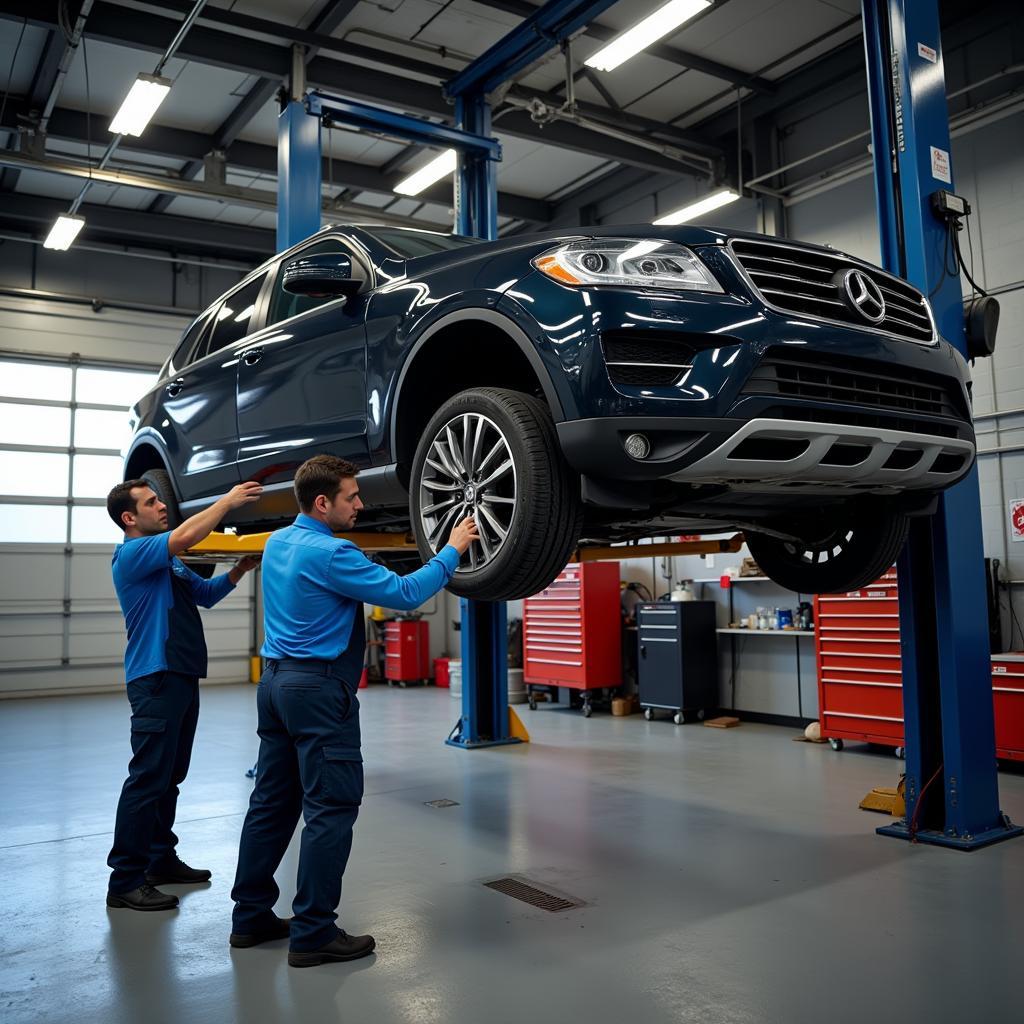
(232, 320)
(188, 344)
(284, 305)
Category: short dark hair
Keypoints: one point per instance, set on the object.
(120, 500)
(321, 474)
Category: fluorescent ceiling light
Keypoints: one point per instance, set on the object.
(645, 33)
(438, 168)
(64, 232)
(699, 208)
(145, 95)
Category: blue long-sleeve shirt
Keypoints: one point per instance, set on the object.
(313, 583)
(158, 596)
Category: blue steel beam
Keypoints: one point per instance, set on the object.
(298, 175)
(399, 126)
(952, 786)
(542, 31)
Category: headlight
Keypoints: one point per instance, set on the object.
(627, 262)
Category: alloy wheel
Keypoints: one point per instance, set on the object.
(469, 470)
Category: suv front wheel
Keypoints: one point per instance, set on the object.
(494, 454)
(845, 553)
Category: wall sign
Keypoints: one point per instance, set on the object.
(1017, 519)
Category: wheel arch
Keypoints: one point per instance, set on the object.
(512, 362)
(146, 453)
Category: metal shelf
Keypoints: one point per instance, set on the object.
(768, 632)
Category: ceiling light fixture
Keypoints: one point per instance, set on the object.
(645, 33)
(141, 103)
(64, 232)
(699, 208)
(438, 168)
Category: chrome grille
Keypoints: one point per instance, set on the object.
(794, 279)
(642, 361)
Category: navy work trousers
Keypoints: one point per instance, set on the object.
(309, 763)
(165, 709)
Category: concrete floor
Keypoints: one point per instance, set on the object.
(728, 876)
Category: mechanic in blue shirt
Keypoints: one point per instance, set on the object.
(164, 660)
(310, 760)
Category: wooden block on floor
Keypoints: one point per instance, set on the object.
(724, 722)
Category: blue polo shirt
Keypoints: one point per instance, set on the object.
(158, 595)
(313, 582)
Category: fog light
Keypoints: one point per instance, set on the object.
(637, 446)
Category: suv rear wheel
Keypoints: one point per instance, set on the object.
(837, 556)
(494, 454)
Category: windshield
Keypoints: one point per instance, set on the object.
(411, 243)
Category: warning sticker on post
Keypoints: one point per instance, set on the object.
(927, 52)
(1017, 519)
(940, 165)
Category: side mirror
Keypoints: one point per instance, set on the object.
(325, 273)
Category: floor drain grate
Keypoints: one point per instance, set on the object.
(531, 894)
(441, 803)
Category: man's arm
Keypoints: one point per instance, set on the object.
(351, 573)
(202, 524)
(209, 592)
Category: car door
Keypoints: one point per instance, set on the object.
(199, 400)
(302, 379)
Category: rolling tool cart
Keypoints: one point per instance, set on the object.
(678, 658)
(860, 682)
(571, 634)
(407, 651)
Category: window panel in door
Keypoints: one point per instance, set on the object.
(284, 304)
(234, 318)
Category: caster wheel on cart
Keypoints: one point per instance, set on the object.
(700, 715)
(678, 718)
(587, 710)
(648, 713)
(836, 744)
(532, 704)
(901, 753)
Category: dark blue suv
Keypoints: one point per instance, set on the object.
(604, 384)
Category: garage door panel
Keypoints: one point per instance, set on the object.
(37, 575)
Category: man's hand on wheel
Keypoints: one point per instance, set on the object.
(464, 534)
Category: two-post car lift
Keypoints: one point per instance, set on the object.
(952, 790)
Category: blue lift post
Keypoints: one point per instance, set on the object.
(485, 712)
(952, 793)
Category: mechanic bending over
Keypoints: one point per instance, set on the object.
(310, 760)
(164, 661)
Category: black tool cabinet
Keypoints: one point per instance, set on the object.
(677, 658)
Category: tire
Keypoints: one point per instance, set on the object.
(160, 481)
(530, 514)
(837, 558)
(836, 744)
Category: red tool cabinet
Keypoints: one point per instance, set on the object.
(407, 650)
(571, 630)
(860, 685)
(1008, 695)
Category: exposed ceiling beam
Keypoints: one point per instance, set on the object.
(331, 15)
(143, 30)
(231, 195)
(667, 52)
(150, 230)
(181, 144)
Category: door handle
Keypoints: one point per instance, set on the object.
(175, 387)
(252, 357)
(643, 650)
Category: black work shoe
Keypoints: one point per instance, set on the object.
(176, 872)
(143, 898)
(344, 947)
(278, 930)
